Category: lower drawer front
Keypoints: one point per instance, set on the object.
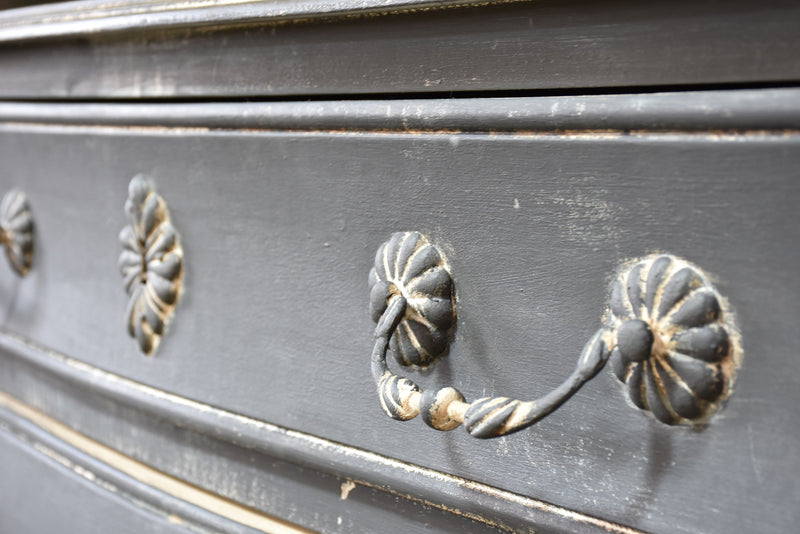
(280, 228)
(73, 503)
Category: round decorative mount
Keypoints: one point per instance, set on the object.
(668, 334)
(408, 265)
(674, 348)
(16, 230)
(151, 264)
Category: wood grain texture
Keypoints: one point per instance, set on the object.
(542, 45)
(560, 211)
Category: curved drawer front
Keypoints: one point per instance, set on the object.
(279, 230)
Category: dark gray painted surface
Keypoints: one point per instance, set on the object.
(548, 44)
(279, 230)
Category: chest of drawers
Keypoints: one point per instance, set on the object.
(539, 145)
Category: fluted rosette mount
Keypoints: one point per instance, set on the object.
(151, 264)
(16, 230)
(668, 333)
(676, 348)
(411, 267)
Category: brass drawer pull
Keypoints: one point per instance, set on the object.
(668, 333)
(16, 230)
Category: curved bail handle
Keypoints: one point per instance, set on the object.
(16, 230)
(407, 300)
(492, 417)
(446, 408)
(670, 336)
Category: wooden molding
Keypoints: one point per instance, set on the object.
(147, 475)
(466, 498)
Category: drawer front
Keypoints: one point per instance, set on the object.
(279, 229)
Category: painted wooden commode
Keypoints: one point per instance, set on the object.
(242, 233)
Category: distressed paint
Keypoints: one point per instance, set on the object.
(667, 191)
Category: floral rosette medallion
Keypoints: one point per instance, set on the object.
(16, 230)
(410, 266)
(676, 347)
(151, 264)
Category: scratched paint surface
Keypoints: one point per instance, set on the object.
(280, 229)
